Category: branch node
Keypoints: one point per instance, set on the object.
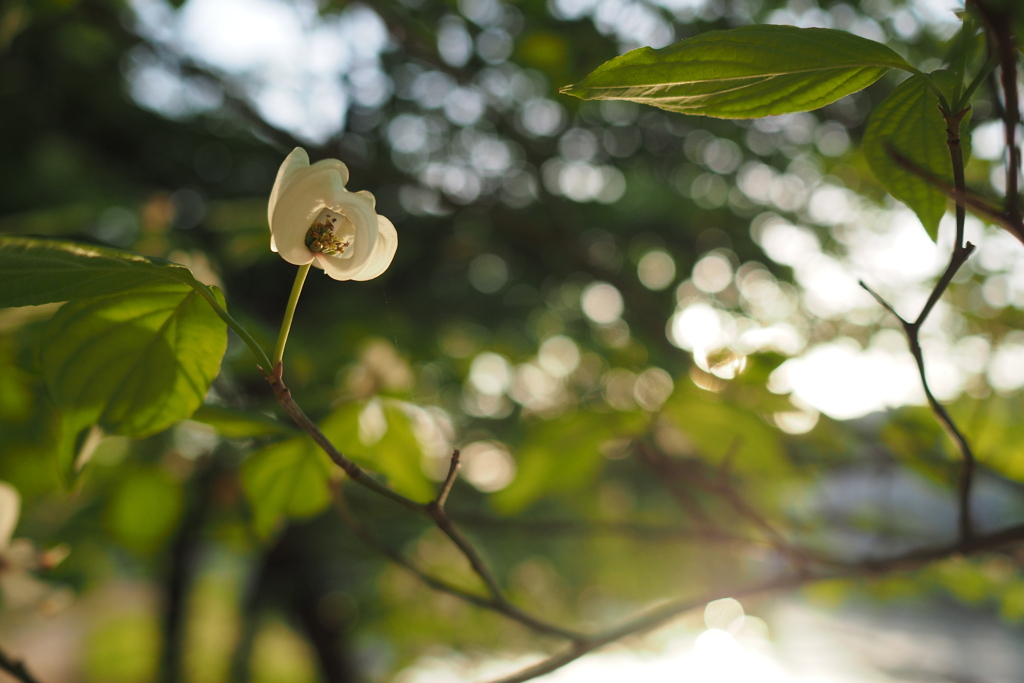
(449, 481)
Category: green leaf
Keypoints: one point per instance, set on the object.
(133, 364)
(236, 424)
(909, 122)
(35, 271)
(745, 72)
(563, 454)
(396, 454)
(144, 509)
(713, 428)
(287, 480)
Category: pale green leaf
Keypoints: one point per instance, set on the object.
(745, 72)
(563, 454)
(288, 480)
(718, 431)
(144, 508)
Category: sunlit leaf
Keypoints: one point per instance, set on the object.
(132, 364)
(746, 72)
(909, 123)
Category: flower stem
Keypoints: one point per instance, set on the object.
(289, 313)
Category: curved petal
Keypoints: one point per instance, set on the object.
(368, 195)
(298, 159)
(339, 268)
(383, 252)
(305, 196)
(359, 210)
(334, 165)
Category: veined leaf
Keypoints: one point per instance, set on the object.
(133, 364)
(745, 72)
(909, 123)
(36, 271)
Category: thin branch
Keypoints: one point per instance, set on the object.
(672, 479)
(633, 531)
(357, 474)
(16, 668)
(659, 616)
(433, 510)
(1001, 30)
(496, 604)
(449, 481)
(961, 251)
(970, 200)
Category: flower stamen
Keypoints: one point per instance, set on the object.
(321, 237)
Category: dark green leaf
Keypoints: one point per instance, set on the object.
(746, 72)
(36, 271)
(908, 123)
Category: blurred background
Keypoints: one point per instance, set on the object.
(604, 306)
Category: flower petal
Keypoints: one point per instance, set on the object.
(335, 165)
(307, 193)
(383, 252)
(298, 159)
(10, 507)
(358, 208)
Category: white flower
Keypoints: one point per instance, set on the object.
(313, 218)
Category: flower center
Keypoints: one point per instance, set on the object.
(331, 234)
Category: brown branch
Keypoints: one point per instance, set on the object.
(356, 473)
(999, 25)
(449, 481)
(961, 251)
(977, 204)
(433, 510)
(16, 668)
(663, 614)
(634, 531)
(670, 476)
(495, 603)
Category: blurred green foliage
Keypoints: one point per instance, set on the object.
(512, 204)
